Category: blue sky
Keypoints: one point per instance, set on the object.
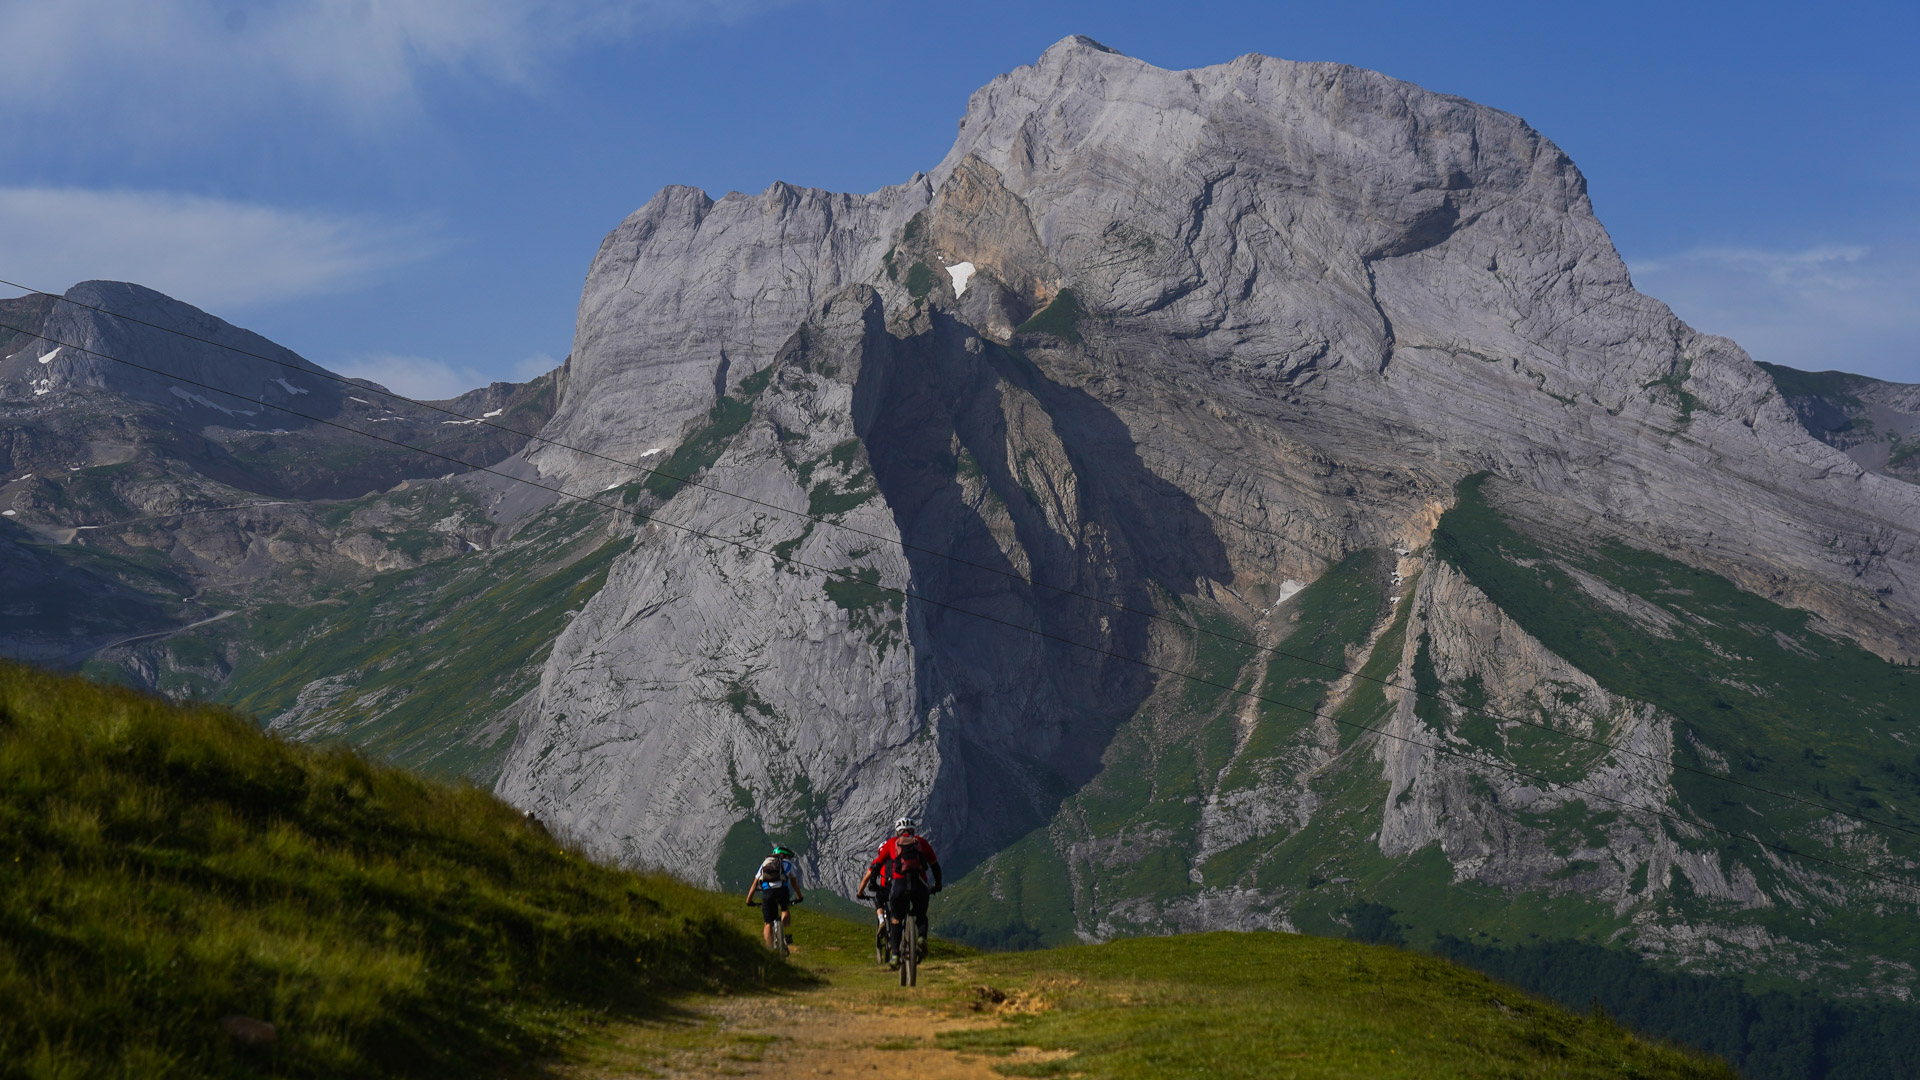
(412, 189)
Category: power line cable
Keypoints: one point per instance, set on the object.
(907, 594)
(1820, 803)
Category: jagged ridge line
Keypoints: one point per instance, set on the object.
(1508, 767)
(1819, 803)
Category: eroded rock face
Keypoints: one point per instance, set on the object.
(1227, 332)
(690, 296)
(800, 716)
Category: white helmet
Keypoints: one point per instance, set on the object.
(904, 825)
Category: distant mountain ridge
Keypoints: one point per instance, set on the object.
(167, 491)
(1326, 390)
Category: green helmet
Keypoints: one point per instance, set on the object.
(778, 850)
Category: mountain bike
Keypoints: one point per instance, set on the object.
(910, 951)
(779, 944)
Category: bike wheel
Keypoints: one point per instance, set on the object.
(910, 953)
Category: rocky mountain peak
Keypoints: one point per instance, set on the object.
(186, 359)
(1183, 339)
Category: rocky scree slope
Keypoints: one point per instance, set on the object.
(1224, 346)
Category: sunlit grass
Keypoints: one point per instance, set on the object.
(1228, 1005)
(167, 867)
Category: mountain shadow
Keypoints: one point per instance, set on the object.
(1038, 540)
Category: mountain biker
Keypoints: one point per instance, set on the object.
(901, 868)
(876, 881)
(776, 886)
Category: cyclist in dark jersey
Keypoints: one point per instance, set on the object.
(899, 870)
(776, 887)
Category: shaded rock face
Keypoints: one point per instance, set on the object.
(174, 370)
(941, 465)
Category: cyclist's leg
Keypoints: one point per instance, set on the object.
(899, 904)
(771, 901)
(920, 897)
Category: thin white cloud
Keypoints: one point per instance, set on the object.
(363, 58)
(213, 253)
(532, 367)
(436, 380)
(414, 376)
(1850, 307)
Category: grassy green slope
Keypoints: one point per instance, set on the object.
(170, 866)
(428, 654)
(1222, 1005)
(1757, 695)
(1282, 1005)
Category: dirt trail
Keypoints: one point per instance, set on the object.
(856, 1026)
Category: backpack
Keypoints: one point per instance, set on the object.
(773, 872)
(910, 857)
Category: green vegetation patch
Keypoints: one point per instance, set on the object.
(826, 498)
(1227, 1005)
(1768, 1033)
(727, 416)
(919, 280)
(170, 867)
(1785, 707)
(1027, 902)
(870, 606)
(429, 655)
(1903, 451)
(1060, 318)
(1335, 614)
(1675, 383)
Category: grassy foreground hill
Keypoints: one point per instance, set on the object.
(166, 868)
(170, 873)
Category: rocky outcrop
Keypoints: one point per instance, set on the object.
(1875, 423)
(689, 296)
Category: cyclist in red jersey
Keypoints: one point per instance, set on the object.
(899, 872)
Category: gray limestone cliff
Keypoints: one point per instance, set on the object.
(1152, 350)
